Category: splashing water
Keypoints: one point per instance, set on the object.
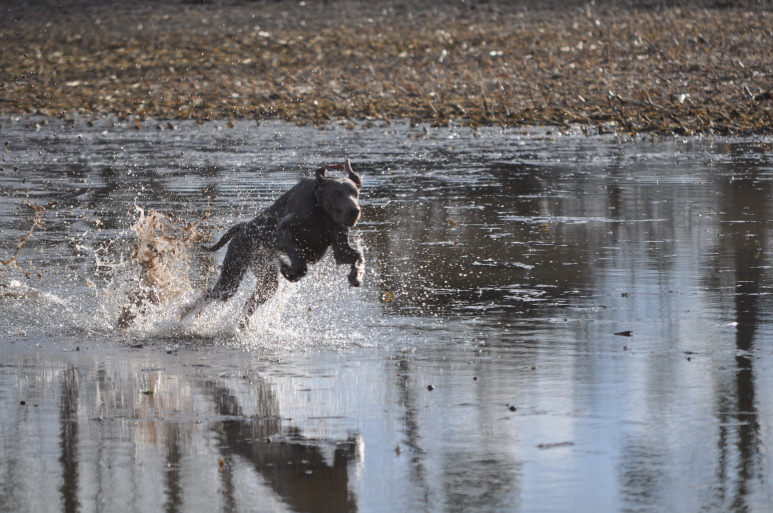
(162, 255)
(38, 220)
(164, 271)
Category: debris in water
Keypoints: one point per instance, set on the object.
(555, 445)
(38, 218)
(15, 289)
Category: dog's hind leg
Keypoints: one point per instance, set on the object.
(194, 308)
(267, 284)
(234, 267)
(223, 290)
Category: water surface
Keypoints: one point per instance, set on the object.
(549, 323)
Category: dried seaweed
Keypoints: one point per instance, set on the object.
(669, 70)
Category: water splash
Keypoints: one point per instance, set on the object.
(163, 259)
(320, 311)
(38, 220)
(164, 270)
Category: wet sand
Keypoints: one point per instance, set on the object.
(630, 67)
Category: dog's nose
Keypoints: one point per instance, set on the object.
(353, 215)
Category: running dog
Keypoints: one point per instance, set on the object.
(288, 236)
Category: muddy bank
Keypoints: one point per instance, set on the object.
(695, 67)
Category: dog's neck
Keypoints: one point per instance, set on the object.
(317, 208)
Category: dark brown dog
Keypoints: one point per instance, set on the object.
(288, 236)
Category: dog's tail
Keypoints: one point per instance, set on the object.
(224, 239)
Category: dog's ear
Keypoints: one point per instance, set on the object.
(320, 173)
(354, 177)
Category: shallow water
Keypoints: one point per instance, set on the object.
(549, 323)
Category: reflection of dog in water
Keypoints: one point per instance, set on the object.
(289, 235)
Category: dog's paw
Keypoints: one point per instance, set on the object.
(292, 275)
(286, 270)
(355, 276)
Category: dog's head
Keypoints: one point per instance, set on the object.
(340, 198)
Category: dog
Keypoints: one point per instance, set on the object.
(293, 233)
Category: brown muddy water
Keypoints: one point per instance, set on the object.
(549, 323)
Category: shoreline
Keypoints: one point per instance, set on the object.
(687, 69)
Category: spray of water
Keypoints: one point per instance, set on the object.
(162, 256)
(12, 262)
(137, 281)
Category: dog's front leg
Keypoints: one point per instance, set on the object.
(294, 268)
(346, 254)
(292, 265)
(357, 272)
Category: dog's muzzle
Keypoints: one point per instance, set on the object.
(352, 216)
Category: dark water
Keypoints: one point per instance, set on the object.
(481, 367)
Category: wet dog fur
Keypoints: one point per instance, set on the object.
(293, 233)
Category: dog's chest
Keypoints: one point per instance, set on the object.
(313, 237)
